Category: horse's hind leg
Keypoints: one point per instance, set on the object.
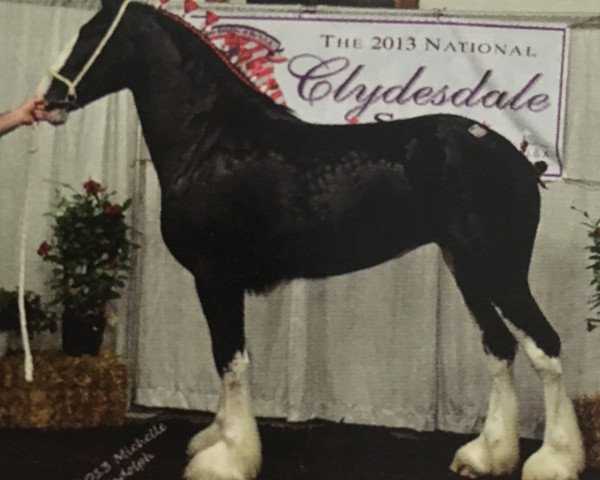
(561, 456)
(496, 450)
(229, 449)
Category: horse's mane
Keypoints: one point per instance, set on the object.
(195, 44)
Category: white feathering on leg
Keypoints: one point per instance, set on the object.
(229, 449)
(496, 450)
(561, 456)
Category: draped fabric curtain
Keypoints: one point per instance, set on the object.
(393, 345)
(101, 141)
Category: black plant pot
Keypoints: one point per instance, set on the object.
(82, 336)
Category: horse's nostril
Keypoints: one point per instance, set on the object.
(68, 104)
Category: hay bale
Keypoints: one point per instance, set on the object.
(588, 414)
(65, 392)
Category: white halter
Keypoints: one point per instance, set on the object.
(72, 84)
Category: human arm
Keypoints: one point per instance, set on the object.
(31, 111)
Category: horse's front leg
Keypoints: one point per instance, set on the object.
(229, 449)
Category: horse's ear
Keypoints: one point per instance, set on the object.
(111, 5)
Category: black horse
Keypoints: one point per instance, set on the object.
(252, 197)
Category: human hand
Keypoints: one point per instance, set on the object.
(31, 111)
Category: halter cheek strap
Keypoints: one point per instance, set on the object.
(72, 84)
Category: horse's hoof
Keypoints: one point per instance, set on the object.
(465, 471)
(550, 463)
(478, 458)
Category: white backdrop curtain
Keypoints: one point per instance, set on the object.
(102, 141)
(393, 345)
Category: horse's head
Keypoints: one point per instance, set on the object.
(87, 69)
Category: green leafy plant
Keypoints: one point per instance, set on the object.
(593, 233)
(39, 317)
(90, 250)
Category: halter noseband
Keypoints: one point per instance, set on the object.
(71, 99)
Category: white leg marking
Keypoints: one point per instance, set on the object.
(229, 449)
(496, 450)
(561, 456)
(211, 434)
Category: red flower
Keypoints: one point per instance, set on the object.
(190, 6)
(44, 249)
(231, 40)
(93, 188)
(271, 84)
(257, 67)
(244, 54)
(112, 209)
(211, 17)
(353, 121)
(112, 261)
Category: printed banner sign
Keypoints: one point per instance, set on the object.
(351, 68)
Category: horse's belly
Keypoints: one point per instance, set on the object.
(339, 255)
(364, 235)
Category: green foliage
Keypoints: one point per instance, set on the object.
(593, 233)
(90, 249)
(39, 318)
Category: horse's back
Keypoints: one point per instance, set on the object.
(378, 190)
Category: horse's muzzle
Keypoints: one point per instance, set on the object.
(57, 111)
(67, 105)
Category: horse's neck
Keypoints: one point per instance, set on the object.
(174, 93)
(187, 99)
(183, 93)
(167, 99)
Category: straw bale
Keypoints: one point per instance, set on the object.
(66, 391)
(588, 414)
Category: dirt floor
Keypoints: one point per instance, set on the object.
(154, 449)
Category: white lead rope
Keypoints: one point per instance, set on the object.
(72, 84)
(33, 149)
(72, 92)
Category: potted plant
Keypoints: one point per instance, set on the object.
(39, 318)
(90, 250)
(593, 234)
(588, 407)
